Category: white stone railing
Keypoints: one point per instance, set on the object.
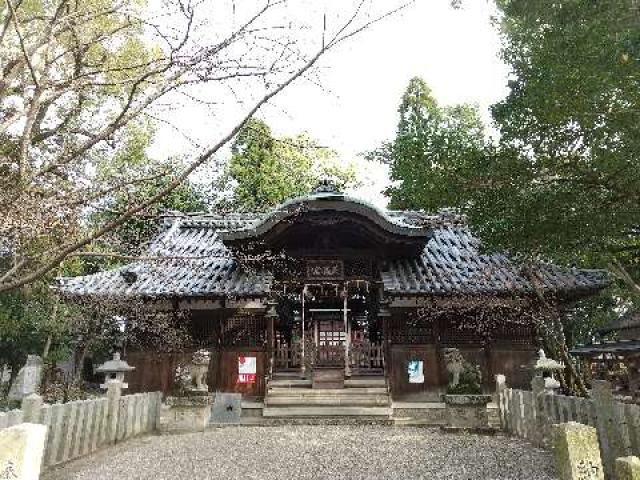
(531, 415)
(81, 427)
(10, 418)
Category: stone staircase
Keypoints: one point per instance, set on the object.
(363, 400)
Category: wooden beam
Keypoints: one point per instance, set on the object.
(199, 304)
(247, 304)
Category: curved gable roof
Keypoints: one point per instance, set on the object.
(326, 201)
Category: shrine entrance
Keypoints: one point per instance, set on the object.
(329, 338)
(329, 327)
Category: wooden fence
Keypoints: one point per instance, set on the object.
(81, 427)
(367, 356)
(288, 356)
(530, 415)
(362, 356)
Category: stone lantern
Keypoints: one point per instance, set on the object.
(114, 370)
(545, 368)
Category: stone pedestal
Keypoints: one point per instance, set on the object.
(190, 413)
(577, 452)
(467, 411)
(21, 450)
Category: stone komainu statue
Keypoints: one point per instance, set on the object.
(455, 365)
(199, 369)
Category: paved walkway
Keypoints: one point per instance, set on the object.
(314, 452)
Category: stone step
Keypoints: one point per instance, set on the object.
(290, 383)
(353, 400)
(288, 421)
(338, 392)
(372, 382)
(326, 411)
(365, 382)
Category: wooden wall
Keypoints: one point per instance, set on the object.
(227, 380)
(227, 334)
(397, 363)
(155, 371)
(420, 335)
(515, 363)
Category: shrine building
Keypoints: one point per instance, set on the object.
(329, 287)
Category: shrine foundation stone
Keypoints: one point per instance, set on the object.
(190, 413)
(467, 411)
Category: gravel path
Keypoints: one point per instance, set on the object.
(314, 452)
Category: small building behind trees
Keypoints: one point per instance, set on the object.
(615, 354)
(328, 281)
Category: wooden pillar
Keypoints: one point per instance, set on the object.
(384, 315)
(271, 319)
(216, 347)
(347, 336)
(488, 381)
(440, 369)
(302, 340)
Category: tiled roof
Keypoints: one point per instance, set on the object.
(453, 263)
(627, 321)
(189, 259)
(620, 347)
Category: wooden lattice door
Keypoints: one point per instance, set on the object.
(330, 342)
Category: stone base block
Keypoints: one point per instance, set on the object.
(419, 413)
(186, 414)
(467, 411)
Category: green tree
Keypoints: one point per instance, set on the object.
(432, 143)
(131, 156)
(571, 118)
(33, 320)
(266, 170)
(562, 180)
(73, 75)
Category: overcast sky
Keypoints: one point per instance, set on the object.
(454, 50)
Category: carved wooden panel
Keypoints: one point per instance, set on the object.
(325, 269)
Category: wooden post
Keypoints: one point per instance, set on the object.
(347, 333)
(271, 318)
(302, 341)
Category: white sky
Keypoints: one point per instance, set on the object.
(455, 51)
